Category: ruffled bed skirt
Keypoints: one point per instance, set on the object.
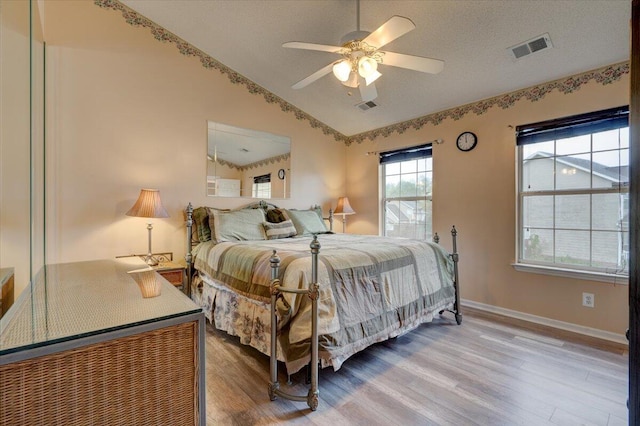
(235, 314)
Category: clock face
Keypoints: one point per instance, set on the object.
(466, 141)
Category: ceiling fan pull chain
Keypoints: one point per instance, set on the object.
(358, 14)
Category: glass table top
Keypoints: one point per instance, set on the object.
(72, 300)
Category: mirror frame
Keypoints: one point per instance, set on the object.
(240, 161)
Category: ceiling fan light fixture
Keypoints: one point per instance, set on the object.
(372, 77)
(352, 81)
(342, 70)
(367, 66)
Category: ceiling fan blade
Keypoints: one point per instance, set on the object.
(367, 93)
(312, 46)
(395, 27)
(313, 77)
(412, 62)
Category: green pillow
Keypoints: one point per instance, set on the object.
(236, 225)
(307, 222)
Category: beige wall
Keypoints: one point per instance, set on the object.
(14, 140)
(127, 112)
(476, 192)
(21, 140)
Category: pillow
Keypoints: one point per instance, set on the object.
(278, 230)
(236, 225)
(201, 229)
(277, 215)
(307, 222)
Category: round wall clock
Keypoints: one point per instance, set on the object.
(281, 173)
(466, 141)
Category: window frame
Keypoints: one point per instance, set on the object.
(261, 187)
(552, 268)
(397, 157)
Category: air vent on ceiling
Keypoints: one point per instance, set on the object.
(534, 45)
(364, 106)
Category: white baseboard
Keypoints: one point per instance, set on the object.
(587, 331)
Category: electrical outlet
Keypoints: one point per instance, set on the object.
(588, 300)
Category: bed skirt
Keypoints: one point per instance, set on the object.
(249, 320)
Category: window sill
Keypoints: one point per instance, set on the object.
(572, 273)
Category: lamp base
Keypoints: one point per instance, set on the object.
(151, 260)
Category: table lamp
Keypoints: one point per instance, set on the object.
(344, 208)
(148, 205)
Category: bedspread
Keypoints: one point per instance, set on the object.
(371, 289)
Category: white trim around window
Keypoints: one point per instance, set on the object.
(572, 273)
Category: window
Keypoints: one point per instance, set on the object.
(573, 187)
(407, 181)
(262, 186)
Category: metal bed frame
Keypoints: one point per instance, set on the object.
(312, 292)
(189, 223)
(277, 292)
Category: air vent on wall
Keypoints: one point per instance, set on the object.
(364, 106)
(534, 45)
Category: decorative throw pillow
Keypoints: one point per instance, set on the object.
(201, 224)
(307, 222)
(236, 225)
(278, 230)
(277, 215)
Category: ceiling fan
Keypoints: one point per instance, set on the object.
(361, 56)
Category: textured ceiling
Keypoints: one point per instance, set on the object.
(472, 37)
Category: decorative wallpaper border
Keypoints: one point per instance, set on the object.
(265, 162)
(606, 75)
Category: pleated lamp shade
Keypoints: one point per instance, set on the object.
(343, 207)
(149, 283)
(148, 205)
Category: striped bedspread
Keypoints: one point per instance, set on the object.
(371, 289)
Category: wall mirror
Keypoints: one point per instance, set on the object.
(247, 163)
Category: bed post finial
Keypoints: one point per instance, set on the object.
(436, 238)
(454, 234)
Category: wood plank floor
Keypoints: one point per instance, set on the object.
(488, 371)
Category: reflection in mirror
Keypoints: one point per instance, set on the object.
(247, 163)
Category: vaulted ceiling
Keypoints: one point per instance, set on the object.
(473, 38)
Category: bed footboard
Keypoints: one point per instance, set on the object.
(454, 256)
(312, 292)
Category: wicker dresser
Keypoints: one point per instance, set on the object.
(94, 343)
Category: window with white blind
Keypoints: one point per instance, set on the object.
(573, 192)
(262, 186)
(407, 180)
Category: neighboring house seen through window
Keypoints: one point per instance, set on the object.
(573, 187)
(406, 199)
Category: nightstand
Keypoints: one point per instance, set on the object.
(172, 272)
